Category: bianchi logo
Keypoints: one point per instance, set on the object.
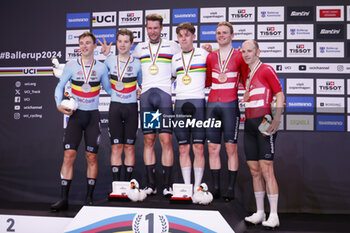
(155, 120)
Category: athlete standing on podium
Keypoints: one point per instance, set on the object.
(224, 69)
(86, 75)
(261, 84)
(189, 69)
(125, 71)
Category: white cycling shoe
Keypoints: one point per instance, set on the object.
(272, 222)
(256, 218)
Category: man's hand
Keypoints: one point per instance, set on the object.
(246, 96)
(65, 110)
(138, 92)
(106, 49)
(275, 123)
(207, 47)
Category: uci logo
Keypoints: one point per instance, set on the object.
(29, 71)
(103, 18)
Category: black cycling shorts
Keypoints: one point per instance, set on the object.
(83, 121)
(256, 145)
(189, 111)
(229, 115)
(151, 101)
(123, 123)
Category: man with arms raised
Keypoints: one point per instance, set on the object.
(86, 75)
(224, 68)
(189, 69)
(261, 84)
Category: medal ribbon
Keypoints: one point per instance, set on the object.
(189, 62)
(87, 77)
(221, 65)
(154, 58)
(121, 74)
(251, 75)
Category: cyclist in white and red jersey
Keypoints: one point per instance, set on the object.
(261, 85)
(225, 66)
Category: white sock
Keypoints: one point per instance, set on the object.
(273, 200)
(186, 174)
(259, 198)
(198, 175)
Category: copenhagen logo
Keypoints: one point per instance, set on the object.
(152, 120)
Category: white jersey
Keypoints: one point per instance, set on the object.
(192, 88)
(162, 79)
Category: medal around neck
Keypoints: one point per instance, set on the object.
(222, 77)
(186, 79)
(86, 88)
(153, 69)
(119, 86)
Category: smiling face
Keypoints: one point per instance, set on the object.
(250, 52)
(87, 46)
(186, 39)
(154, 30)
(124, 44)
(223, 35)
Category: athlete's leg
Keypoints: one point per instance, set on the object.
(198, 163)
(185, 163)
(129, 161)
(116, 160)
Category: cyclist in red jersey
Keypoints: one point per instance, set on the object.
(225, 66)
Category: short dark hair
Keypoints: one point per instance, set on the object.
(126, 32)
(86, 34)
(186, 26)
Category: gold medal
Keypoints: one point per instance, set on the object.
(222, 77)
(153, 69)
(186, 79)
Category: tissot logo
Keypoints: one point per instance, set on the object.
(300, 13)
(304, 49)
(103, 19)
(130, 18)
(330, 87)
(270, 32)
(330, 31)
(238, 14)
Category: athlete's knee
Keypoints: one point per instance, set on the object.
(184, 149)
(129, 148)
(165, 139)
(69, 156)
(267, 169)
(198, 148)
(214, 150)
(149, 140)
(91, 158)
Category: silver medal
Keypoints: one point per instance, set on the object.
(86, 88)
(119, 86)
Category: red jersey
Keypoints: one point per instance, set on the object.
(263, 85)
(236, 68)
